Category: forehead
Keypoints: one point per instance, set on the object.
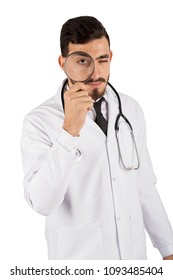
(94, 48)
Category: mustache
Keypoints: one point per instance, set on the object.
(95, 81)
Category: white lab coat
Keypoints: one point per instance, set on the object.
(94, 209)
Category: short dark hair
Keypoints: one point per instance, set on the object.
(81, 30)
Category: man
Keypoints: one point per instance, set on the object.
(76, 171)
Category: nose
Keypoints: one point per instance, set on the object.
(96, 73)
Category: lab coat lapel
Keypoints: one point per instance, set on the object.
(92, 125)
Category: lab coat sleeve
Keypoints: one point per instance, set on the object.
(47, 166)
(155, 218)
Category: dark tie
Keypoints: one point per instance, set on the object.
(100, 120)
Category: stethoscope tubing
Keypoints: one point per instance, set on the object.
(120, 115)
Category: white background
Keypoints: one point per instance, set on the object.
(142, 66)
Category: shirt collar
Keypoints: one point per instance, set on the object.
(104, 95)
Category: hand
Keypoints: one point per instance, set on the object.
(168, 257)
(77, 104)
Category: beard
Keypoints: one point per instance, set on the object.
(96, 93)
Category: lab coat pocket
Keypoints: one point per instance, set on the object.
(138, 236)
(80, 242)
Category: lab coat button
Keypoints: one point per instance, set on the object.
(113, 179)
(78, 155)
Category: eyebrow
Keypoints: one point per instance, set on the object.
(102, 56)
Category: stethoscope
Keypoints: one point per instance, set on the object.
(135, 154)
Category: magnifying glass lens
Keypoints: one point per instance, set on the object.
(79, 66)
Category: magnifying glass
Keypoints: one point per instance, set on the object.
(79, 66)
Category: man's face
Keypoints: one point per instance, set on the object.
(99, 50)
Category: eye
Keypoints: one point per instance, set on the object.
(82, 61)
(103, 61)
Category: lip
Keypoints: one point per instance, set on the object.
(97, 84)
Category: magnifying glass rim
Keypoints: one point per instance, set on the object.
(83, 54)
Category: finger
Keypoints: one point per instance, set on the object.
(86, 106)
(76, 95)
(83, 98)
(78, 86)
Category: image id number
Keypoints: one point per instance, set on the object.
(133, 270)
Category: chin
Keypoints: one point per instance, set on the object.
(96, 93)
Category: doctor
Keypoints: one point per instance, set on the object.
(95, 186)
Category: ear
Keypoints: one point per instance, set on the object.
(61, 61)
(111, 54)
